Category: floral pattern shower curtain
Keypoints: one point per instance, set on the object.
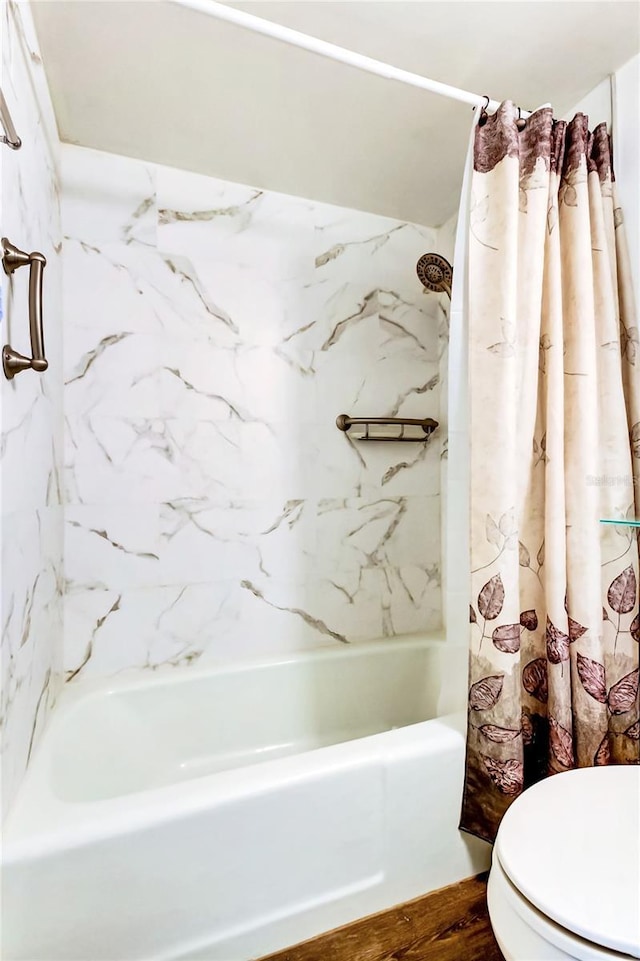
(555, 447)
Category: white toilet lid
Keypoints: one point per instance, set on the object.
(571, 845)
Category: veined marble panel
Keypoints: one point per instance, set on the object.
(30, 446)
(30, 412)
(127, 460)
(213, 332)
(193, 540)
(108, 631)
(31, 633)
(388, 531)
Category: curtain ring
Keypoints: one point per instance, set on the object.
(482, 119)
(521, 123)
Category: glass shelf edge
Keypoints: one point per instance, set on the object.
(619, 523)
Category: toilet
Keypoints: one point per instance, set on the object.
(565, 875)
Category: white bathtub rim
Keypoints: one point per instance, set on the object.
(41, 823)
(75, 695)
(38, 816)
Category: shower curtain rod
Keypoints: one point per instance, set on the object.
(297, 39)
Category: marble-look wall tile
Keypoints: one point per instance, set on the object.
(213, 332)
(31, 579)
(31, 633)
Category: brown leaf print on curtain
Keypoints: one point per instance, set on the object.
(529, 619)
(506, 775)
(554, 371)
(557, 644)
(498, 734)
(534, 679)
(603, 754)
(484, 694)
(633, 731)
(561, 743)
(592, 675)
(507, 638)
(623, 695)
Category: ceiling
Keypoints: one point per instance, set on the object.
(166, 84)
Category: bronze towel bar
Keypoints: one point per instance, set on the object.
(427, 425)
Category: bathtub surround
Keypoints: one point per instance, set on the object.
(30, 413)
(213, 333)
(555, 423)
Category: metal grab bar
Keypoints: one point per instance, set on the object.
(10, 137)
(428, 425)
(13, 362)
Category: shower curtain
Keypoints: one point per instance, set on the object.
(554, 381)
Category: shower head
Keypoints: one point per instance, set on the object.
(435, 273)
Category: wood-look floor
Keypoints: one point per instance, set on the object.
(451, 924)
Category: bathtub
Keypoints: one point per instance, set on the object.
(222, 813)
